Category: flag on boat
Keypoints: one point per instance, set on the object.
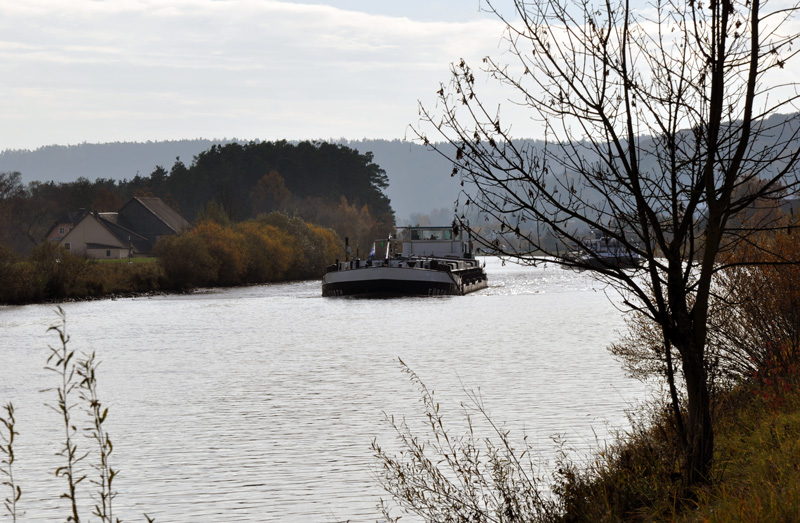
(371, 252)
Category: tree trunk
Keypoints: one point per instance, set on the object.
(699, 431)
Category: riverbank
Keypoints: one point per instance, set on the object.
(273, 248)
(757, 464)
(758, 456)
(144, 278)
(52, 276)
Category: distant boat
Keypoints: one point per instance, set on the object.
(424, 261)
(602, 252)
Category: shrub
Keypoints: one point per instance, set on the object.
(314, 250)
(186, 261)
(268, 250)
(272, 248)
(19, 284)
(764, 329)
(57, 270)
(328, 247)
(118, 278)
(227, 249)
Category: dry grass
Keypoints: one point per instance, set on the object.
(637, 479)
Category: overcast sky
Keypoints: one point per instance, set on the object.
(137, 70)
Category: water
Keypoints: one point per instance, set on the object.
(260, 403)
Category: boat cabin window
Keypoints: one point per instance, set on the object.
(432, 234)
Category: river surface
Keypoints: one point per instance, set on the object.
(260, 403)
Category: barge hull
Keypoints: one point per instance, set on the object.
(393, 281)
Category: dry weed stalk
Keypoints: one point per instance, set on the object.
(7, 463)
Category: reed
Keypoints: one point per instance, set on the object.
(105, 474)
(463, 477)
(77, 391)
(61, 363)
(7, 461)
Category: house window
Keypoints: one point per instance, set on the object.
(61, 231)
(67, 246)
(108, 253)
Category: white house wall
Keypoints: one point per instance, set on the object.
(89, 230)
(107, 253)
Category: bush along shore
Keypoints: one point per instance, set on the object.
(271, 248)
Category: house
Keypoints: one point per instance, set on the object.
(151, 218)
(64, 224)
(133, 231)
(98, 235)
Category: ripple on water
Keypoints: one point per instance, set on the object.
(260, 404)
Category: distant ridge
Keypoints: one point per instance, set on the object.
(115, 160)
(419, 180)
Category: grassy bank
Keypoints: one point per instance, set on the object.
(758, 457)
(756, 474)
(51, 274)
(447, 475)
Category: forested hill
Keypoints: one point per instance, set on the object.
(419, 180)
(246, 179)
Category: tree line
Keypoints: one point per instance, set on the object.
(328, 184)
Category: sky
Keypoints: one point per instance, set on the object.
(135, 70)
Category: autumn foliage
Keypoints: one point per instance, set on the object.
(763, 331)
(326, 184)
(274, 247)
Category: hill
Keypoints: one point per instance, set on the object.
(115, 161)
(418, 178)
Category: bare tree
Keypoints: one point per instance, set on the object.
(662, 124)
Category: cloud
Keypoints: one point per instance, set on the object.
(87, 58)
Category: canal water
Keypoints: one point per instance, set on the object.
(260, 403)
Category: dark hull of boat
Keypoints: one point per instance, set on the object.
(389, 289)
(381, 282)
